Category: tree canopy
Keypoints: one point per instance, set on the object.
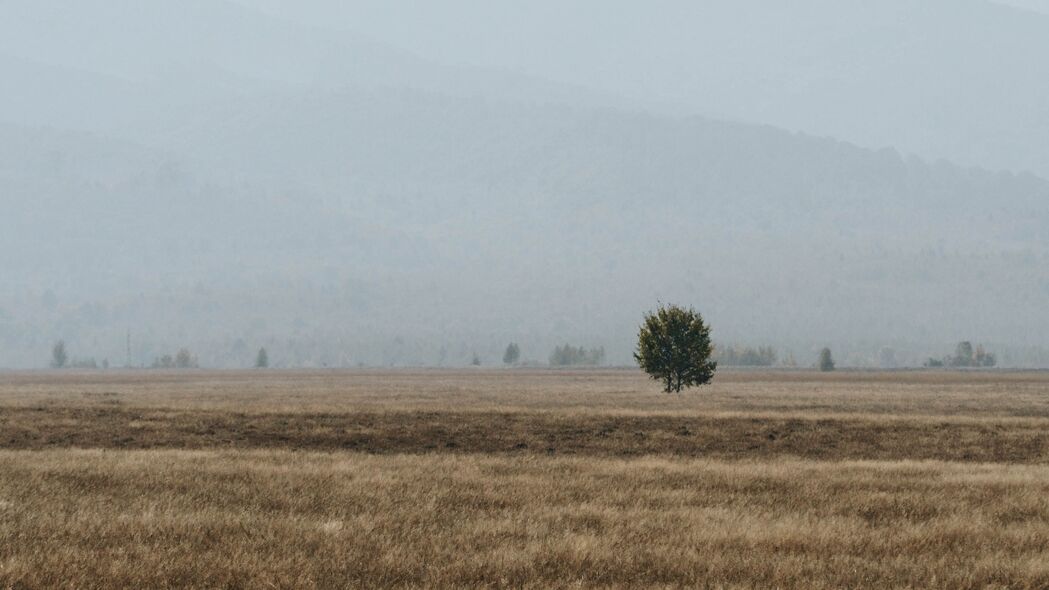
(674, 347)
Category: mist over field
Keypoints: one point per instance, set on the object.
(402, 183)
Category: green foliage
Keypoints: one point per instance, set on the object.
(571, 356)
(674, 347)
(262, 360)
(59, 356)
(826, 362)
(966, 356)
(736, 356)
(512, 354)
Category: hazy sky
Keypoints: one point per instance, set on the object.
(1038, 5)
(411, 183)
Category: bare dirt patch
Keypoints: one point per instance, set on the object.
(723, 437)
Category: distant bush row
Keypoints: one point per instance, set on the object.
(570, 356)
(736, 356)
(562, 356)
(965, 356)
(183, 359)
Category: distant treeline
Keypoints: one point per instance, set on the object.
(570, 356)
(965, 356)
(745, 356)
(183, 359)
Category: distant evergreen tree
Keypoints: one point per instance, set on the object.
(476, 360)
(674, 347)
(262, 360)
(826, 362)
(512, 354)
(59, 356)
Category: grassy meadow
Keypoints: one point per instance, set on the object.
(523, 479)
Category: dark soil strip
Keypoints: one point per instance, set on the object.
(524, 433)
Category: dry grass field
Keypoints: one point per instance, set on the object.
(533, 479)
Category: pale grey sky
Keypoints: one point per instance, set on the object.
(1037, 5)
(408, 182)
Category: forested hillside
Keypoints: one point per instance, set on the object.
(384, 220)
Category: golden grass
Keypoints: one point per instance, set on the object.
(162, 519)
(963, 395)
(531, 479)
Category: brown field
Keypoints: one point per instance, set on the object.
(515, 479)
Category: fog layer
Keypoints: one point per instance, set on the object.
(222, 177)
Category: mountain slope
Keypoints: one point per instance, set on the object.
(958, 79)
(121, 67)
(403, 227)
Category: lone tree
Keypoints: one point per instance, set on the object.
(673, 346)
(59, 357)
(512, 354)
(826, 362)
(262, 360)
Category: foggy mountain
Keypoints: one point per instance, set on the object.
(240, 181)
(958, 79)
(132, 64)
